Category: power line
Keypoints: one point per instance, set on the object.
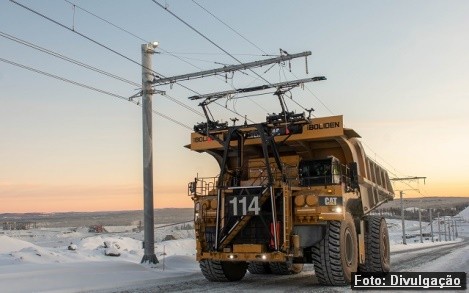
(183, 59)
(68, 59)
(239, 34)
(146, 41)
(142, 39)
(260, 49)
(172, 120)
(183, 105)
(317, 98)
(126, 31)
(228, 26)
(90, 88)
(63, 79)
(80, 34)
(23, 42)
(106, 47)
(106, 21)
(205, 37)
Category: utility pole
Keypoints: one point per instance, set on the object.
(431, 224)
(449, 229)
(439, 231)
(148, 209)
(453, 223)
(401, 192)
(455, 228)
(404, 241)
(444, 225)
(420, 224)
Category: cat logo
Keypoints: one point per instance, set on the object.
(330, 201)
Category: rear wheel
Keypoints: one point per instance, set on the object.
(258, 268)
(286, 268)
(223, 271)
(377, 256)
(335, 257)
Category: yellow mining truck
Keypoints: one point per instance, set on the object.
(291, 190)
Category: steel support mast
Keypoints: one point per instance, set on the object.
(148, 209)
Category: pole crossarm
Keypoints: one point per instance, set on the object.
(229, 68)
(409, 178)
(215, 96)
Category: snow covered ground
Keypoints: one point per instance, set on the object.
(40, 260)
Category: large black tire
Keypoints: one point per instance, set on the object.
(377, 255)
(223, 271)
(285, 268)
(335, 257)
(258, 268)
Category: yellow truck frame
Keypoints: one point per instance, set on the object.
(290, 191)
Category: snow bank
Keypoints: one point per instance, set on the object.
(58, 269)
(464, 214)
(8, 244)
(48, 265)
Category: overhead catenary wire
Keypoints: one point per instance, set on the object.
(257, 47)
(205, 37)
(219, 47)
(145, 41)
(62, 79)
(87, 66)
(142, 39)
(228, 26)
(122, 29)
(80, 34)
(68, 59)
(127, 31)
(106, 47)
(106, 21)
(90, 88)
(243, 37)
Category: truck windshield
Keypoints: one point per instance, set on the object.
(319, 172)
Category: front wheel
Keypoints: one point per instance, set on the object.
(335, 257)
(223, 271)
(259, 268)
(285, 268)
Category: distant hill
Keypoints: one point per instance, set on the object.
(114, 218)
(175, 215)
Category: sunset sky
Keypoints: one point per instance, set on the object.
(397, 71)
